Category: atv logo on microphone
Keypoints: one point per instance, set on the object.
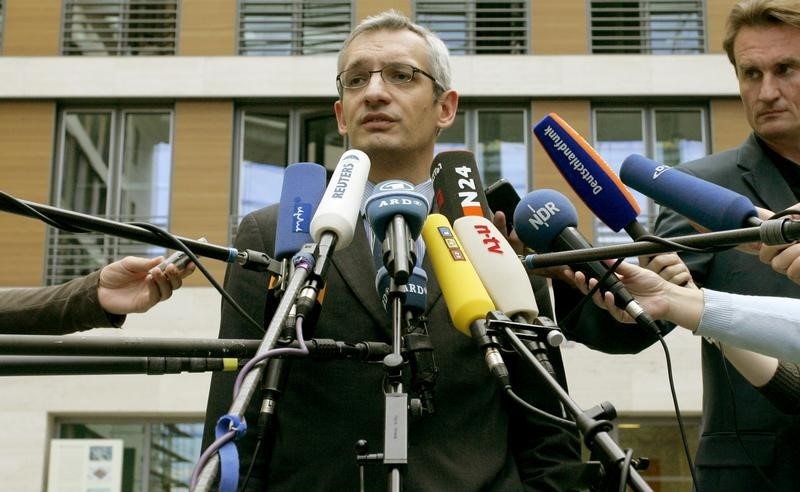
(343, 179)
(542, 214)
(659, 171)
(299, 213)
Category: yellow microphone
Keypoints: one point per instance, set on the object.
(466, 297)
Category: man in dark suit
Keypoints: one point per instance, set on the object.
(395, 97)
(745, 441)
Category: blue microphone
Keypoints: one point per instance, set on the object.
(708, 204)
(589, 175)
(416, 290)
(396, 213)
(303, 187)
(546, 221)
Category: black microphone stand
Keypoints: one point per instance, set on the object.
(594, 432)
(770, 232)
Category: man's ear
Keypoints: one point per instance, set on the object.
(340, 120)
(448, 107)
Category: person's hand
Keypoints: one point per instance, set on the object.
(668, 266)
(783, 259)
(646, 286)
(134, 285)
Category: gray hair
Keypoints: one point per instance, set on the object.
(392, 20)
(759, 13)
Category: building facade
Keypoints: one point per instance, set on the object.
(184, 114)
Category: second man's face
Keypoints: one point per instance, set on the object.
(768, 69)
(382, 117)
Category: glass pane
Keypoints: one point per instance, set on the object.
(453, 138)
(502, 151)
(134, 451)
(323, 145)
(620, 133)
(264, 157)
(175, 449)
(679, 136)
(170, 448)
(660, 441)
(145, 176)
(84, 188)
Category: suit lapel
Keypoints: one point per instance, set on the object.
(357, 268)
(761, 175)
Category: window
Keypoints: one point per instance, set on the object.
(668, 135)
(119, 27)
(647, 26)
(477, 28)
(299, 27)
(499, 140)
(157, 456)
(272, 138)
(112, 163)
(659, 440)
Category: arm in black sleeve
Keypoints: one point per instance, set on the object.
(547, 454)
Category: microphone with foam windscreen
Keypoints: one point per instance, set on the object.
(396, 213)
(505, 279)
(334, 223)
(710, 205)
(467, 300)
(457, 186)
(546, 221)
(338, 211)
(589, 175)
(303, 186)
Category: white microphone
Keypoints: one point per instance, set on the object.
(504, 278)
(340, 206)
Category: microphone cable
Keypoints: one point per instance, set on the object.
(177, 243)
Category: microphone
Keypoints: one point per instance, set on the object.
(338, 211)
(416, 340)
(589, 175)
(334, 224)
(505, 279)
(546, 221)
(467, 300)
(303, 186)
(457, 185)
(396, 213)
(708, 204)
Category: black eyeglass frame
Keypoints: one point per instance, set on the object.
(414, 70)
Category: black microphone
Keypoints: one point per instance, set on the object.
(457, 186)
(546, 221)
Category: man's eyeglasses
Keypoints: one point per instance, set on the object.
(393, 73)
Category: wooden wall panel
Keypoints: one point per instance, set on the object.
(729, 126)
(32, 27)
(207, 28)
(365, 8)
(559, 28)
(201, 176)
(27, 130)
(716, 16)
(545, 175)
